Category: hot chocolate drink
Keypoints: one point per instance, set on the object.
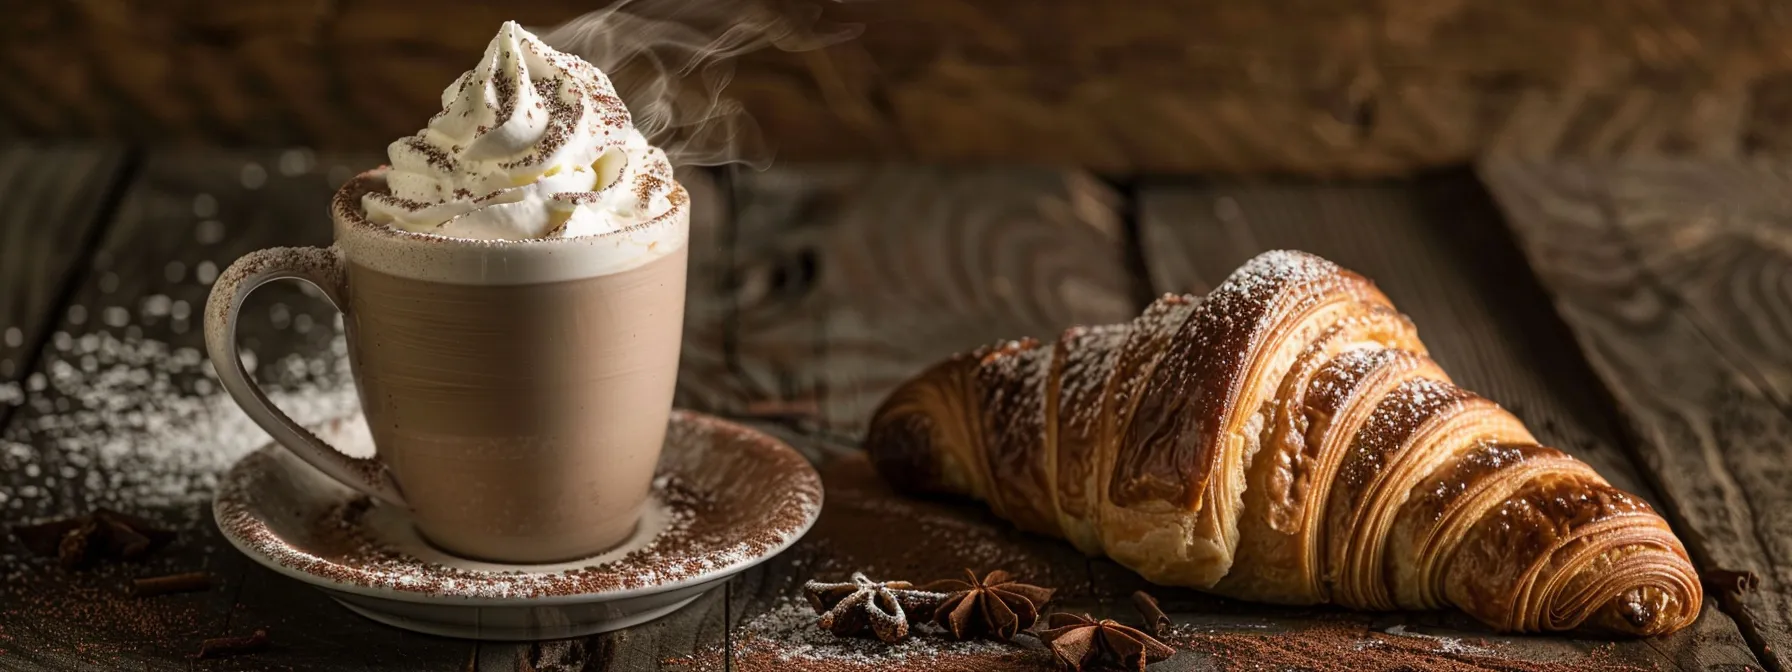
(522, 417)
(513, 289)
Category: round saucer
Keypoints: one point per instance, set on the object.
(714, 512)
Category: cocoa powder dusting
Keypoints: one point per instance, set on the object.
(868, 527)
(1346, 647)
(716, 518)
(786, 639)
(93, 615)
(349, 554)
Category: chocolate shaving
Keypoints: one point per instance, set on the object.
(1736, 582)
(233, 646)
(188, 582)
(102, 535)
(1154, 615)
(1083, 643)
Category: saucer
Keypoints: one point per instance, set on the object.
(725, 498)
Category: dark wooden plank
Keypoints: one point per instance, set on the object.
(53, 200)
(667, 642)
(130, 417)
(852, 279)
(1435, 245)
(1672, 275)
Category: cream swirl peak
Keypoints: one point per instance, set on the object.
(531, 143)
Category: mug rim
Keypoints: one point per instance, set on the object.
(472, 261)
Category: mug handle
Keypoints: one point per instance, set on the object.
(323, 268)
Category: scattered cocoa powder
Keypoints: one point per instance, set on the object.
(867, 527)
(1347, 647)
(48, 600)
(786, 639)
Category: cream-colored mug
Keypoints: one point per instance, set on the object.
(517, 391)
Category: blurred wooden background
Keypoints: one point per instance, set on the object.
(1354, 87)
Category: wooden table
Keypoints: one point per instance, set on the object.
(1636, 314)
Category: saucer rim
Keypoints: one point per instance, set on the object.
(720, 574)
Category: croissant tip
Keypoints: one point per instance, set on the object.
(1644, 611)
(900, 445)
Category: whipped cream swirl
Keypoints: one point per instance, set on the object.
(532, 143)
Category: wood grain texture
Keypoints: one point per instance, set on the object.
(1673, 276)
(1436, 246)
(852, 280)
(1236, 86)
(53, 201)
(849, 280)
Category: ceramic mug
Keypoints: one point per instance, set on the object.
(517, 391)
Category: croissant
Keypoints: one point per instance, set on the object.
(1286, 439)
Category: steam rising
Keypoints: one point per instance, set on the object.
(671, 59)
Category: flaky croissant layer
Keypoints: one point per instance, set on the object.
(1286, 439)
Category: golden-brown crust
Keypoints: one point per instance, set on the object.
(1286, 439)
(1085, 360)
(1376, 329)
(1150, 540)
(1441, 507)
(1148, 338)
(1565, 549)
(1190, 404)
(918, 431)
(1012, 382)
(1417, 425)
(1273, 561)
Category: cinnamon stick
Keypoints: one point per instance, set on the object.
(187, 582)
(1153, 614)
(231, 646)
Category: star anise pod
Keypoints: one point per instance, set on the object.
(103, 534)
(862, 604)
(1083, 643)
(996, 605)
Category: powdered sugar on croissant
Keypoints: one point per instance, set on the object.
(1286, 439)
